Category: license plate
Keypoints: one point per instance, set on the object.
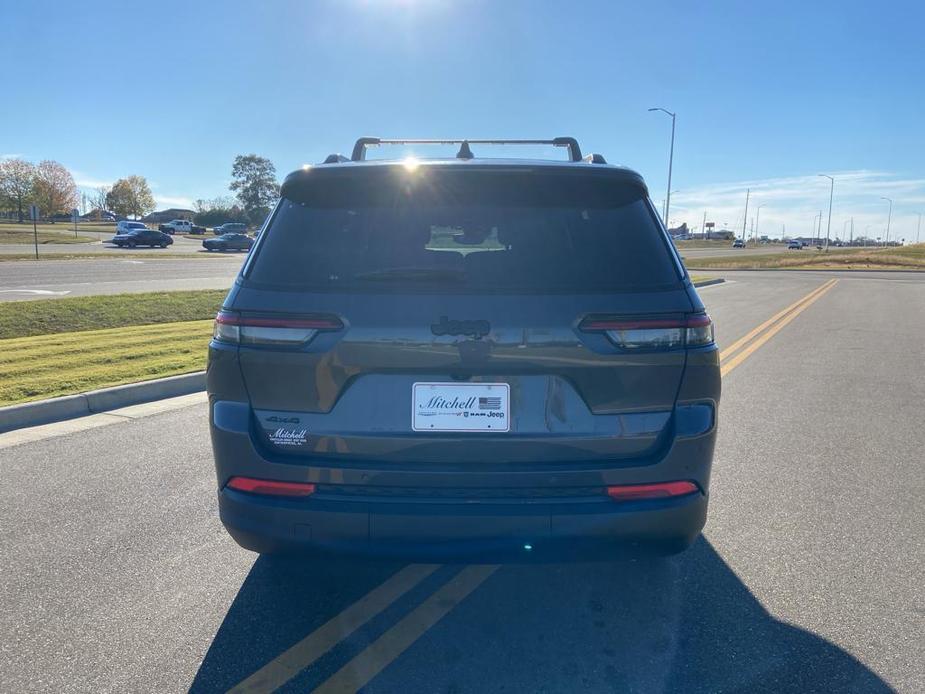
(461, 407)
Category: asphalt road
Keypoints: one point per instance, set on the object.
(181, 245)
(146, 273)
(117, 575)
(736, 252)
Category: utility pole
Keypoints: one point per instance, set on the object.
(705, 234)
(851, 242)
(670, 160)
(918, 228)
(888, 218)
(748, 193)
(828, 228)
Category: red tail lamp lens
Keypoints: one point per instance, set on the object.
(271, 487)
(659, 490)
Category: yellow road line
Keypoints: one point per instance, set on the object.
(292, 661)
(744, 354)
(773, 319)
(379, 654)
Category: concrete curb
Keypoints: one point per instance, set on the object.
(708, 283)
(70, 406)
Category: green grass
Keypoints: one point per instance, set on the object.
(45, 366)
(22, 234)
(894, 258)
(60, 227)
(45, 317)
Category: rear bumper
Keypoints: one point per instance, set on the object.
(482, 530)
(544, 515)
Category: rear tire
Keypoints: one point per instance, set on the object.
(163, 244)
(131, 244)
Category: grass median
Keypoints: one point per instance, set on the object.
(894, 258)
(23, 234)
(56, 347)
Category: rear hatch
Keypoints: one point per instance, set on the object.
(445, 314)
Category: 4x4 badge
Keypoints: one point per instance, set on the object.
(475, 328)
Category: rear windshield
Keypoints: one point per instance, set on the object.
(466, 232)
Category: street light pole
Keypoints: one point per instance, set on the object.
(757, 218)
(888, 218)
(918, 228)
(670, 160)
(828, 227)
(748, 192)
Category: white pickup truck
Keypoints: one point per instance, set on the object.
(181, 226)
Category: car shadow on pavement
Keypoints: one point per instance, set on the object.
(684, 623)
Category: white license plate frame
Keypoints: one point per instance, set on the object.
(472, 408)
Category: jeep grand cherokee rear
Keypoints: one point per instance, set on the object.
(463, 355)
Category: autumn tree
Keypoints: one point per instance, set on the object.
(97, 200)
(17, 178)
(130, 197)
(254, 183)
(54, 190)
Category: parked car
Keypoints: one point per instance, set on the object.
(142, 237)
(230, 228)
(181, 226)
(738, 243)
(463, 359)
(795, 245)
(124, 227)
(229, 242)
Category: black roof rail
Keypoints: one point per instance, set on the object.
(335, 159)
(595, 159)
(359, 149)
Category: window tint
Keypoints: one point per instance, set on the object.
(465, 232)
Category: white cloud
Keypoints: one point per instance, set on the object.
(793, 203)
(165, 201)
(10, 156)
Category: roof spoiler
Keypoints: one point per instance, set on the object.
(359, 149)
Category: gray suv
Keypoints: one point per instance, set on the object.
(463, 356)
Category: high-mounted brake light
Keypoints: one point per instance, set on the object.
(659, 490)
(271, 487)
(257, 330)
(654, 333)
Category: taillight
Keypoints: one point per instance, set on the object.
(271, 487)
(654, 333)
(659, 490)
(262, 330)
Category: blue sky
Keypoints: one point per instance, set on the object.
(767, 94)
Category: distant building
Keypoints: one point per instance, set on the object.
(162, 216)
(681, 233)
(99, 215)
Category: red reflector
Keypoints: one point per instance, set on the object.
(660, 490)
(272, 487)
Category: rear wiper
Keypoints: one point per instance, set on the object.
(415, 274)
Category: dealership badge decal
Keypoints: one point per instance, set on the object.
(289, 437)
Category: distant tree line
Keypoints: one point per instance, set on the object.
(51, 186)
(46, 184)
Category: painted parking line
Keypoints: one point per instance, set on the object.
(384, 650)
(825, 286)
(300, 656)
(730, 364)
